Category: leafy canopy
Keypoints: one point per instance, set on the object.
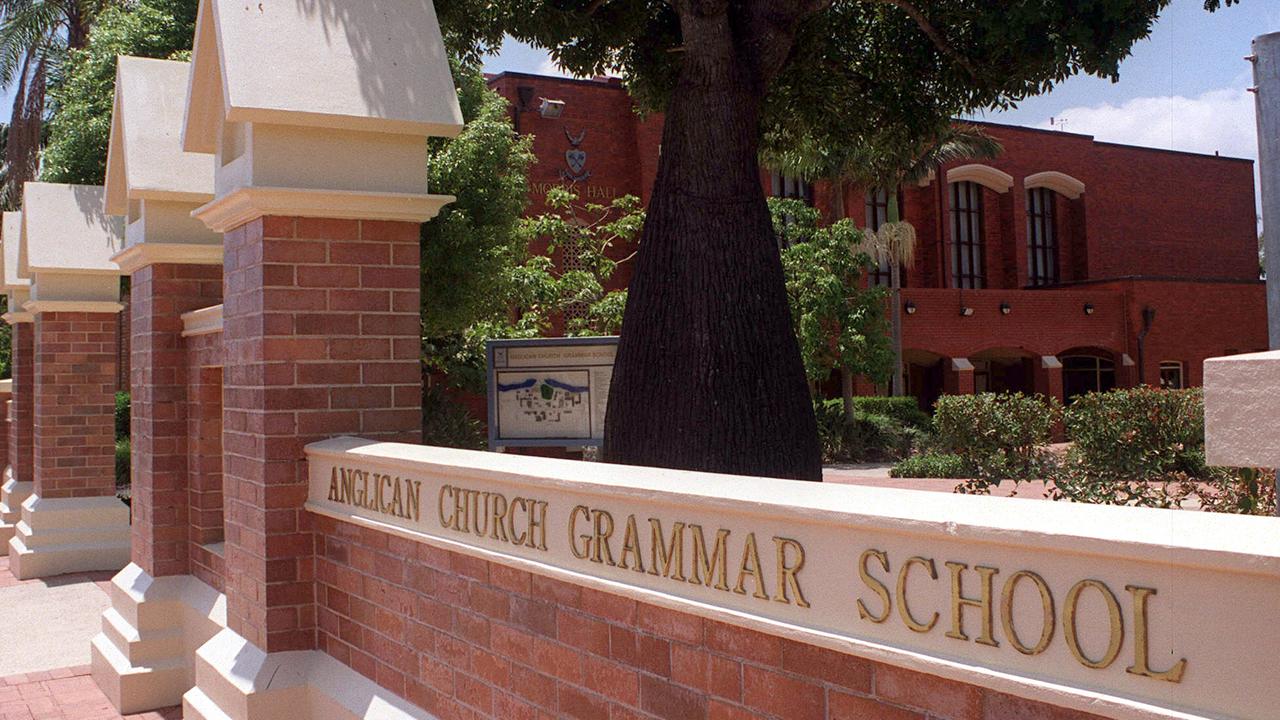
(82, 98)
(891, 69)
(533, 295)
(838, 322)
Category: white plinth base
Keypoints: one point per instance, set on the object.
(144, 658)
(66, 535)
(12, 494)
(235, 680)
(1240, 412)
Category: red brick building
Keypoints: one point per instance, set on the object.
(1064, 265)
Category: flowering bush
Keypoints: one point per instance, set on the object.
(998, 435)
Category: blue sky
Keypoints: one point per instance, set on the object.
(1184, 88)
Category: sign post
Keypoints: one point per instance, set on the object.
(548, 392)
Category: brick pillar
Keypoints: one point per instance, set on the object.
(75, 382)
(1048, 377)
(957, 378)
(204, 461)
(159, 295)
(320, 327)
(21, 367)
(17, 481)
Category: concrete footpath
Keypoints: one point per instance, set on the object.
(45, 628)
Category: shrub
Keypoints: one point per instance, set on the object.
(1146, 447)
(123, 415)
(932, 465)
(446, 422)
(1140, 434)
(903, 409)
(123, 464)
(872, 436)
(999, 436)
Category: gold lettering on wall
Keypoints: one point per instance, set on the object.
(876, 586)
(518, 521)
(1115, 624)
(386, 494)
(1141, 650)
(962, 596)
(592, 534)
(1046, 607)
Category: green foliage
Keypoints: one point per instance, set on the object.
(932, 465)
(838, 322)
(1140, 447)
(854, 67)
(123, 463)
(446, 423)
(903, 409)
(1142, 433)
(468, 247)
(999, 435)
(871, 437)
(531, 290)
(6, 342)
(1244, 491)
(123, 415)
(82, 97)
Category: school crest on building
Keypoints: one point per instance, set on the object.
(575, 158)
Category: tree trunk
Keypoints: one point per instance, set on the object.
(846, 394)
(846, 377)
(895, 288)
(708, 373)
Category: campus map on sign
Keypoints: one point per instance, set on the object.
(549, 391)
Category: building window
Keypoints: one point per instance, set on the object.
(877, 203)
(1083, 374)
(789, 186)
(967, 261)
(1171, 375)
(1042, 238)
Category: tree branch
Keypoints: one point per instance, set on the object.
(932, 33)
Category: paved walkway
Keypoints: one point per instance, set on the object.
(45, 628)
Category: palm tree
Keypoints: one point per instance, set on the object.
(35, 36)
(881, 163)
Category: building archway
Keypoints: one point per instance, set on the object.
(984, 175)
(1086, 370)
(1061, 183)
(1003, 370)
(923, 375)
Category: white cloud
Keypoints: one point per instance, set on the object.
(549, 67)
(1216, 121)
(1221, 121)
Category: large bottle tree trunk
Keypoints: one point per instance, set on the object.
(708, 374)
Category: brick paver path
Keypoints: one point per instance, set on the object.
(66, 693)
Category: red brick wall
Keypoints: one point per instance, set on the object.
(204, 457)
(464, 638)
(74, 388)
(159, 295)
(22, 368)
(1144, 212)
(321, 338)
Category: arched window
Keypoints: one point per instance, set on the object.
(877, 206)
(1042, 237)
(967, 257)
(1082, 374)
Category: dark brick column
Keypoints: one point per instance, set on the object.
(22, 368)
(75, 396)
(320, 328)
(159, 295)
